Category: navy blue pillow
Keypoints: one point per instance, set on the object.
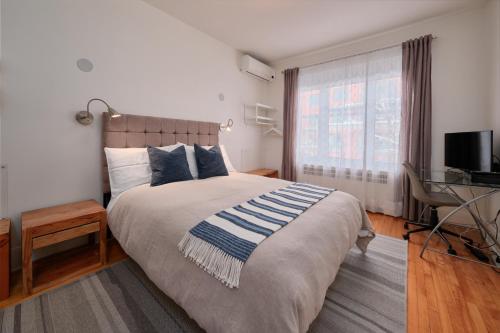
(210, 162)
(168, 167)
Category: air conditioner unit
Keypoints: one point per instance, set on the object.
(256, 68)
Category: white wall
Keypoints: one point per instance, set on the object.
(2, 196)
(146, 62)
(465, 93)
(461, 70)
(493, 9)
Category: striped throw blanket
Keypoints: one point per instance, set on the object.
(222, 243)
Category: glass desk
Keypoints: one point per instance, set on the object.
(445, 181)
(451, 178)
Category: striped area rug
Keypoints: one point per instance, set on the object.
(368, 295)
(369, 292)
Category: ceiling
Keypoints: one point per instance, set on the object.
(276, 29)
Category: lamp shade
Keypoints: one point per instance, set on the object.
(113, 113)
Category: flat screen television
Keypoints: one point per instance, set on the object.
(469, 151)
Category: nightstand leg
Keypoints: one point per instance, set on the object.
(27, 262)
(102, 240)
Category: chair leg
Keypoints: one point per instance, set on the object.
(407, 235)
(451, 233)
(419, 230)
(440, 232)
(418, 224)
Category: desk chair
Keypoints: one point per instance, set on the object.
(432, 200)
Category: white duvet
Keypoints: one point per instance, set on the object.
(283, 283)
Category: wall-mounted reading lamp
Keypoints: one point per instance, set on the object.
(86, 118)
(226, 127)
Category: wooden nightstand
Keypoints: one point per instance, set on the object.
(4, 259)
(271, 173)
(47, 226)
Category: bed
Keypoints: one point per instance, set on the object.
(283, 283)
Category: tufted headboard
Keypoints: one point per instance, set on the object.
(132, 131)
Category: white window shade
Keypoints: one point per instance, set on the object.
(348, 127)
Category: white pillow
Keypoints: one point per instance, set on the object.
(170, 148)
(227, 161)
(191, 158)
(129, 167)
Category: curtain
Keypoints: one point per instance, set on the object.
(288, 165)
(416, 114)
(348, 127)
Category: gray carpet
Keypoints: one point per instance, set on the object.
(368, 295)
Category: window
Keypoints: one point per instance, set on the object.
(349, 114)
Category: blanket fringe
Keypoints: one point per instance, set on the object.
(213, 260)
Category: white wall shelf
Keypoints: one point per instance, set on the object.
(260, 115)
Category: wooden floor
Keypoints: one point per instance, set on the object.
(445, 294)
(56, 266)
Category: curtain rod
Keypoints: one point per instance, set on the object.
(353, 55)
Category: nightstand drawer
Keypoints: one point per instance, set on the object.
(62, 225)
(61, 236)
